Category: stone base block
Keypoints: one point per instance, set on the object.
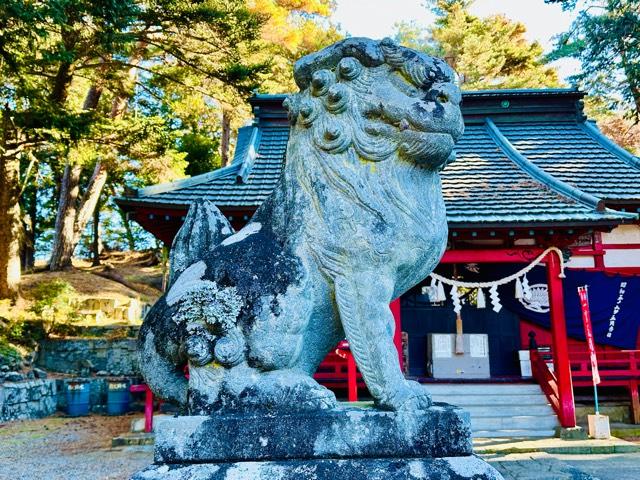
(346, 442)
(344, 432)
(448, 468)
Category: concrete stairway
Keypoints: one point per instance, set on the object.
(500, 410)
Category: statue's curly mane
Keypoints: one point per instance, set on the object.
(353, 152)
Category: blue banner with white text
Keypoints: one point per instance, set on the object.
(614, 302)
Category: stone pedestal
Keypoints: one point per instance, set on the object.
(347, 442)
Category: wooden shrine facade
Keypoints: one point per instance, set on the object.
(531, 172)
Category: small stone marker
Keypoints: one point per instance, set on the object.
(599, 426)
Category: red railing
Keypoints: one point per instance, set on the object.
(617, 368)
(612, 365)
(338, 370)
(148, 405)
(547, 380)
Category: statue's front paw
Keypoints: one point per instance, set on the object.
(410, 396)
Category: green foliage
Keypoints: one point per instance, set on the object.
(9, 355)
(201, 153)
(54, 305)
(138, 87)
(605, 37)
(415, 36)
(487, 52)
(26, 332)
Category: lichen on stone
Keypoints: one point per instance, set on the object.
(205, 302)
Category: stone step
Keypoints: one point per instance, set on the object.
(127, 439)
(508, 410)
(483, 389)
(501, 410)
(513, 433)
(490, 400)
(518, 423)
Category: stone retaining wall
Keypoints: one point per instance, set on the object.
(89, 355)
(26, 400)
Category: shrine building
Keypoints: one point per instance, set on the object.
(538, 202)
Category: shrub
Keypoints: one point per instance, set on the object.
(9, 355)
(53, 304)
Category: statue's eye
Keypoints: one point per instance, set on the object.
(442, 98)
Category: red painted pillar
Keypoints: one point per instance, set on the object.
(148, 410)
(561, 365)
(352, 381)
(397, 335)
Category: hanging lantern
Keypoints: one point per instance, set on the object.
(519, 291)
(480, 300)
(495, 298)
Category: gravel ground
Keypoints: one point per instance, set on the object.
(549, 466)
(621, 466)
(58, 448)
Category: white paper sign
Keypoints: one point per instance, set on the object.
(478, 346)
(442, 346)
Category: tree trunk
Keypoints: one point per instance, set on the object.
(63, 247)
(61, 83)
(29, 219)
(131, 241)
(71, 219)
(96, 243)
(67, 218)
(10, 225)
(226, 137)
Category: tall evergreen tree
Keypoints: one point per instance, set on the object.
(489, 52)
(70, 71)
(605, 38)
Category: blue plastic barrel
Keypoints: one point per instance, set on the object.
(78, 398)
(117, 397)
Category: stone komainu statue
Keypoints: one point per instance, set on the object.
(356, 219)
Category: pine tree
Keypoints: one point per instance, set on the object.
(605, 38)
(489, 52)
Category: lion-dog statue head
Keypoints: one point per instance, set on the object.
(377, 99)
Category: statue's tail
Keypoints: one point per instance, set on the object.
(204, 227)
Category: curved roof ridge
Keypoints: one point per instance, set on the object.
(612, 147)
(246, 163)
(538, 173)
(521, 92)
(188, 182)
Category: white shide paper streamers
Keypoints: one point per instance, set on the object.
(522, 288)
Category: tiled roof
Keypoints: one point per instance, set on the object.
(571, 152)
(514, 171)
(485, 186)
(222, 186)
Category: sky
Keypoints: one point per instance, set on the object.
(375, 19)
